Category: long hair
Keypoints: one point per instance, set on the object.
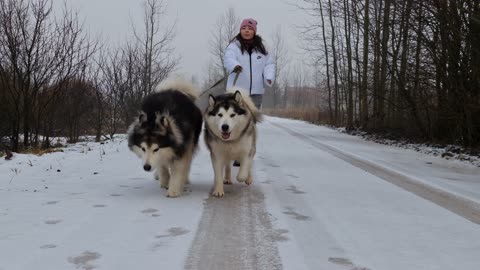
(257, 44)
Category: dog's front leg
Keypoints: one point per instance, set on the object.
(244, 171)
(164, 175)
(189, 157)
(177, 179)
(227, 180)
(218, 181)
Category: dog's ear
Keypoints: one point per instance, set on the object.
(211, 101)
(161, 120)
(142, 117)
(162, 124)
(164, 121)
(238, 97)
(168, 127)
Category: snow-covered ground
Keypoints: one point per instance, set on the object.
(93, 207)
(448, 152)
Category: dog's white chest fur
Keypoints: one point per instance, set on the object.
(233, 150)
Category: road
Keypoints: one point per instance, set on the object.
(320, 200)
(334, 208)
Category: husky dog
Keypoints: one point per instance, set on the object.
(230, 134)
(165, 134)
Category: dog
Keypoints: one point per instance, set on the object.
(166, 132)
(230, 134)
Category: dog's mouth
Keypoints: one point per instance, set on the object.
(225, 135)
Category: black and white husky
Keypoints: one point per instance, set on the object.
(231, 134)
(165, 134)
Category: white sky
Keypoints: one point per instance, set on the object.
(196, 20)
(92, 205)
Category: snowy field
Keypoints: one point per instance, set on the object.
(320, 200)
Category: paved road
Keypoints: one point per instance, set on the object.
(320, 200)
(318, 223)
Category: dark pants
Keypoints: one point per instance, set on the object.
(257, 100)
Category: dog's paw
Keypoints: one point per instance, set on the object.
(249, 180)
(227, 181)
(173, 193)
(218, 192)
(164, 184)
(241, 177)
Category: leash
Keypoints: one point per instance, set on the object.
(221, 80)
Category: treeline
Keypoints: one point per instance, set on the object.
(55, 80)
(408, 68)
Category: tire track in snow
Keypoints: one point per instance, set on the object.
(461, 206)
(235, 233)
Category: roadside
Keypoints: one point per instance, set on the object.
(448, 152)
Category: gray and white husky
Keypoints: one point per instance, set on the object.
(165, 134)
(231, 134)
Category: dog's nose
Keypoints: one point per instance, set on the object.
(224, 127)
(147, 167)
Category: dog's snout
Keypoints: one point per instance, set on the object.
(147, 167)
(224, 127)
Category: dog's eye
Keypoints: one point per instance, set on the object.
(232, 115)
(143, 149)
(220, 115)
(156, 149)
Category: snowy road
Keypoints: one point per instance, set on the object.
(320, 200)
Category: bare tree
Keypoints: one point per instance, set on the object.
(363, 91)
(227, 28)
(348, 44)
(94, 76)
(419, 56)
(279, 55)
(154, 45)
(379, 120)
(335, 61)
(330, 112)
(36, 51)
(114, 73)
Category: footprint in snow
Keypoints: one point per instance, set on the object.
(83, 260)
(149, 210)
(296, 215)
(52, 202)
(173, 232)
(48, 246)
(53, 221)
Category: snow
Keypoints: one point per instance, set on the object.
(92, 199)
(356, 216)
(454, 175)
(92, 206)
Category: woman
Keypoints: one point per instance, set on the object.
(249, 64)
(247, 56)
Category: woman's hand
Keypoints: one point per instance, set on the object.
(237, 69)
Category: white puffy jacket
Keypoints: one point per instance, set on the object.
(257, 68)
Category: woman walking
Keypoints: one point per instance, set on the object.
(247, 56)
(249, 64)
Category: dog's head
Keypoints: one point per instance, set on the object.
(227, 115)
(152, 138)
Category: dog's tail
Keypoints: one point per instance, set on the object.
(256, 114)
(179, 84)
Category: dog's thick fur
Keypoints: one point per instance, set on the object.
(231, 134)
(165, 134)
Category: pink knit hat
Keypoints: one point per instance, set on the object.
(251, 22)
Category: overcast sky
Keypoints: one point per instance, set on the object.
(196, 20)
